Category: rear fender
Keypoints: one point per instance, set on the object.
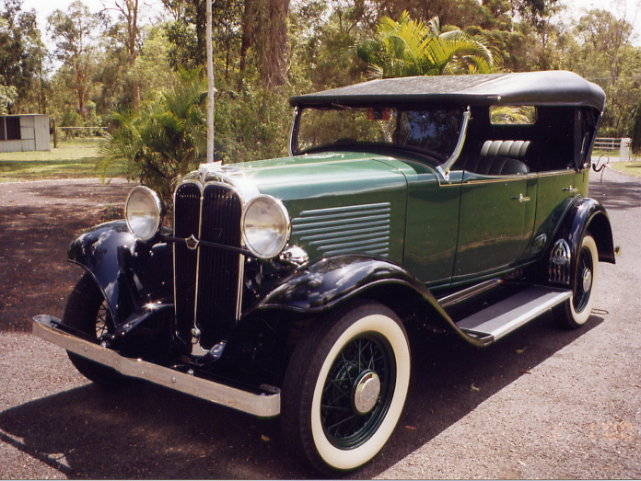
(332, 282)
(131, 274)
(588, 215)
(584, 215)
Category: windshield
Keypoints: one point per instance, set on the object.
(429, 130)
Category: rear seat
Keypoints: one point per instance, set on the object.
(505, 148)
(501, 157)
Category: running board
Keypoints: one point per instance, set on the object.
(498, 320)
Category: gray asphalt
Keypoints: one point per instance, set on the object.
(543, 403)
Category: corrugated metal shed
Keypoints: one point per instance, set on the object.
(24, 132)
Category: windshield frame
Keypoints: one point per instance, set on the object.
(440, 161)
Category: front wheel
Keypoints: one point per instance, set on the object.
(345, 387)
(576, 310)
(87, 312)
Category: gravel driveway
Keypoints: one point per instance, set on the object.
(543, 403)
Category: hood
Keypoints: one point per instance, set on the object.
(322, 174)
(338, 202)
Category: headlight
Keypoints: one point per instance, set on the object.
(143, 212)
(265, 226)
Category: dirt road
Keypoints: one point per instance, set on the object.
(543, 403)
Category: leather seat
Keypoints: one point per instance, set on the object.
(505, 148)
(499, 157)
(505, 166)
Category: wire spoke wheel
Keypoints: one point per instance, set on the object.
(358, 391)
(577, 310)
(103, 321)
(583, 286)
(345, 386)
(88, 312)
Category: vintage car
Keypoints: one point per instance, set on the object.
(451, 206)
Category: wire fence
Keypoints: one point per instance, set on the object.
(74, 132)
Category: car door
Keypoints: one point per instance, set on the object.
(556, 191)
(496, 222)
(431, 224)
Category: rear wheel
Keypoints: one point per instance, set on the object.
(345, 387)
(576, 310)
(87, 312)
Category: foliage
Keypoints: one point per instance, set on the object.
(8, 95)
(73, 32)
(112, 61)
(253, 126)
(164, 139)
(21, 54)
(409, 47)
(635, 131)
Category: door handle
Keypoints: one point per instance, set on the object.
(571, 189)
(522, 198)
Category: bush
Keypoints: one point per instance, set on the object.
(165, 139)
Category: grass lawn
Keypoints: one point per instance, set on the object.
(605, 153)
(74, 158)
(630, 168)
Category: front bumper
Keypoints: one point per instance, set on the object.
(263, 403)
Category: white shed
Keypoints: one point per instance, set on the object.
(24, 132)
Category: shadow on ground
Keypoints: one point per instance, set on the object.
(37, 223)
(147, 431)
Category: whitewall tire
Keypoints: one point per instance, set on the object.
(345, 387)
(577, 309)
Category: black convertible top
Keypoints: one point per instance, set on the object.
(552, 88)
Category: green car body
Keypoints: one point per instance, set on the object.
(398, 208)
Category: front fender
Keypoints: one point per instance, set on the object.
(129, 273)
(333, 281)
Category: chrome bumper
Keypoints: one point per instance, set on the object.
(264, 404)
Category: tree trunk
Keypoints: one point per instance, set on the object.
(272, 41)
(129, 9)
(248, 25)
(200, 7)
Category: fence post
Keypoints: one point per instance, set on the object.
(55, 134)
(624, 149)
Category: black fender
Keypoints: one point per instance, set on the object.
(331, 282)
(134, 276)
(587, 214)
(583, 215)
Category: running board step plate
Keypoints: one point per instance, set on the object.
(505, 316)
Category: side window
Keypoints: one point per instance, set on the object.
(434, 130)
(512, 114)
(507, 137)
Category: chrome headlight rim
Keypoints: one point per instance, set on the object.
(159, 211)
(283, 211)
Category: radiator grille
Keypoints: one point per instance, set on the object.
(218, 269)
(186, 222)
(353, 229)
(207, 280)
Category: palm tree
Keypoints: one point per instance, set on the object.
(408, 47)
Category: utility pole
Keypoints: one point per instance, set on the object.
(211, 88)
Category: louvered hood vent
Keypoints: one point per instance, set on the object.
(353, 229)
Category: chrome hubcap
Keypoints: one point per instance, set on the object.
(366, 391)
(587, 279)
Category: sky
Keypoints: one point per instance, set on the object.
(628, 9)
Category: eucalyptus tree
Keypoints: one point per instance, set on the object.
(21, 56)
(75, 32)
